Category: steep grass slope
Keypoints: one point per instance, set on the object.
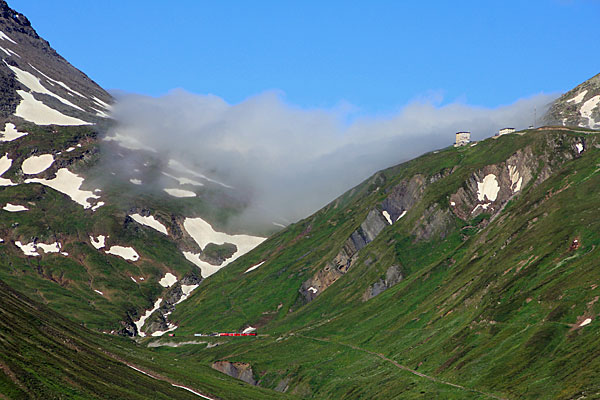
(497, 290)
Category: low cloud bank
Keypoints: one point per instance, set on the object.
(289, 161)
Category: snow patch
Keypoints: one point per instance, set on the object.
(128, 142)
(5, 164)
(252, 268)
(4, 36)
(68, 183)
(98, 242)
(180, 193)
(170, 326)
(101, 103)
(14, 208)
(10, 133)
(587, 108)
(140, 322)
(184, 181)
(452, 203)
(578, 99)
(401, 215)
(99, 292)
(35, 111)
(176, 165)
(27, 249)
(579, 147)
(49, 248)
(37, 164)
(586, 322)
(387, 217)
(33, 83)
(187, 290)
(203, 233)
(313, 289)
(249, 329)
(151, 222)
(127, 253)
(488, 188)
(515, 179)
(64, 85)
(133, 279)
(135, 181)
(168, 280)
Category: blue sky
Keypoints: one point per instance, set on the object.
(375, 55)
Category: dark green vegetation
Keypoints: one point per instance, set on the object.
(493, 303)
(45, 356)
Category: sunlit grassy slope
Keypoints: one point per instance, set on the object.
(494, 305)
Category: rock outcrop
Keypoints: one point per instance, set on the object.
(577, 107)
(393, 275)
(237, 370)
(400, 199)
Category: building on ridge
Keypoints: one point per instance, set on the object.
(462, 139)
(505, 131)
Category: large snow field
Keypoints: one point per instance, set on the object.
(37, 164)
(203, 233)
(151, 222)
(64, 85)
(68, 183)
(35, 111)
(10, 133)
(578, 99)
(587, 108)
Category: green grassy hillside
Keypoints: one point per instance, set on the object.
(501, 302)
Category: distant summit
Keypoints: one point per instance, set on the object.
(578, 107)
(37, 84)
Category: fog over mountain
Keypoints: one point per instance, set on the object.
(290, 161)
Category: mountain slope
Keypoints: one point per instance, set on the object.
(488, 281)
(577, 107)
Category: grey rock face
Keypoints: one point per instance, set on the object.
(237, 370)
(392, 276)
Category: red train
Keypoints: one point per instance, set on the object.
(236, 334)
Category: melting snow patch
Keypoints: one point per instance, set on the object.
(151, 222)
(312, 289)
(168, 280)
(183, 180)
(99, 292)
(68, 183)
(187, 290)
(452, 203)
(586, 322)
(140, 322)
(587, 108)
(35, 111)
(488, 188)
(4, 36)
(180, 193)
(171, 327)
(27, 249)
(401, 215)
(99, 242)
(252, 268)
(249, 329)
(10, 133)
(33, 83)
(133, 279)
(127, 253)
(37, 164)
(387, 217)
(70, 149)
(135, 181)
(103, 104)
(579, 147)
(49, 248)
(5, 164)
(14, 208)
(64, 85)
(182, 168)
(515, 179)
(203, 234)
(578, 99)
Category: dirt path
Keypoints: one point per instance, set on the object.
(404, 367)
